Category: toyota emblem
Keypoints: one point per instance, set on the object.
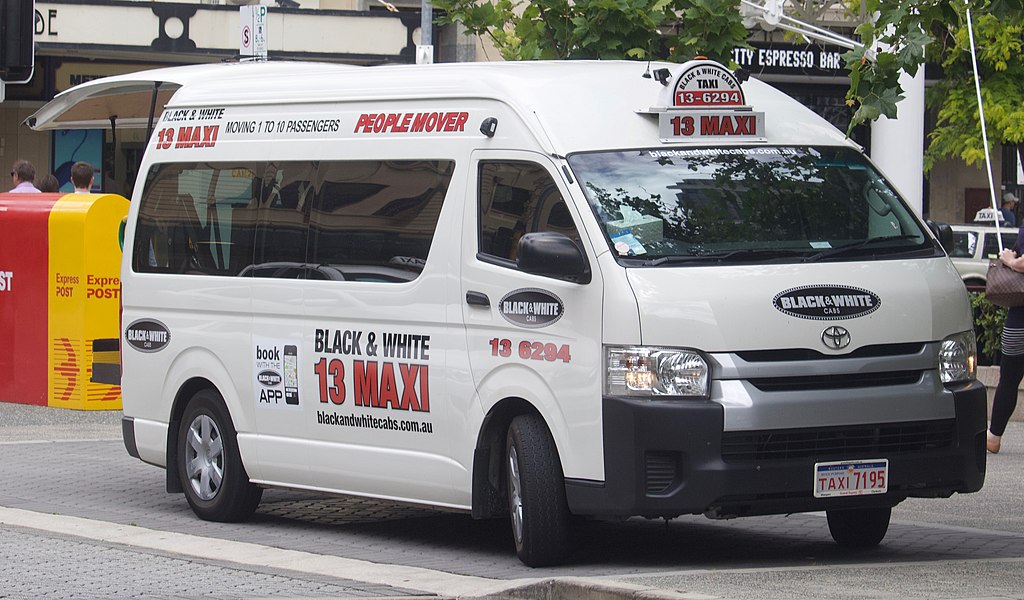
(836, 337)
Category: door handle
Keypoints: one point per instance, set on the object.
(477, 299)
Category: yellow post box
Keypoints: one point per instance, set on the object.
(84, 296)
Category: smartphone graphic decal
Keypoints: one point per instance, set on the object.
(291, 374)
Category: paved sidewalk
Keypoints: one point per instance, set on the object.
(30, 423)
(73, 503)
(36, 563)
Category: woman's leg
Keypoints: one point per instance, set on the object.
(1011, 371)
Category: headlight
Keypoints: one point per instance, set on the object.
(958, 358)
(646, 371)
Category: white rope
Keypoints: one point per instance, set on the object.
(984, 131)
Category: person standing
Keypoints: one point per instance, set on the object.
(1011, 365)
(23, 174)
(1009, 209)
(82, 177)
(49, 184)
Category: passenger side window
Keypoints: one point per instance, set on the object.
(516, 198)
(285, 197)
(375, 220)
(196, 218)
(338, 221)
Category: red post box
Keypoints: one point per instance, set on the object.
(59, 288)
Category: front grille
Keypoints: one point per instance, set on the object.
(862, 441)
(804, 354)
(835, 382)
(661, 470)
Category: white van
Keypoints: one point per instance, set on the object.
(547, 289)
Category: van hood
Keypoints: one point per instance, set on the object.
(759, 307)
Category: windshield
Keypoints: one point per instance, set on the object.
(781, 204)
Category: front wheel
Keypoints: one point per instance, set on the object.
(209, 464)
(859, 527)
(536, 493)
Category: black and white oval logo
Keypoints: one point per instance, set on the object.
(827, 302)
(269, 378)
(147, 335)
(531, 307)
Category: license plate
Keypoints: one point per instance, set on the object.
(851, 478)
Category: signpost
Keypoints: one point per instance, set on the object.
(252, 43)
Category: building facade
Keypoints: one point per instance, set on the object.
(80, 40)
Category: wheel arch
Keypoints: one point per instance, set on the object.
(489, 488)
(181, 399)
(192, 370)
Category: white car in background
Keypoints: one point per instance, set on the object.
(974, 246)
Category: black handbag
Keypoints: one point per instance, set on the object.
(1004, 286)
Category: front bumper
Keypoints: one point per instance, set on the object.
(667, 458)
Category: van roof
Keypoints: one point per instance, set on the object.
(570, 105)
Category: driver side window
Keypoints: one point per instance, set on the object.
(516, 198)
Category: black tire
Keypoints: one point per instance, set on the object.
(858, 527)
(536, 493)
(209, 465)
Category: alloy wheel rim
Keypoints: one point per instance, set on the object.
(515, 494)
(204, 457)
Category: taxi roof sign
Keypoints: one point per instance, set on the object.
(706, 84)
(706, 102)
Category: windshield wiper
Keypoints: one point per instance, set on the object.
(732, 255)
(857, 246)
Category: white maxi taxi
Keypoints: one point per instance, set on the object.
(534, 289)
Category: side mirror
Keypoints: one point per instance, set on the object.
(553, 255)
(944, 233)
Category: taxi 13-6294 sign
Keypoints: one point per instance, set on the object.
(708, 103)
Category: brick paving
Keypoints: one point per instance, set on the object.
(35, 565)
(96, 479)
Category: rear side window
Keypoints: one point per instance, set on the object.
(339, 221)
(991, 249)
(197, 218)
(964, 244)
(375, 220)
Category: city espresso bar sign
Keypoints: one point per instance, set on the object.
(782, 59)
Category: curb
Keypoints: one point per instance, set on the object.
(575, 588)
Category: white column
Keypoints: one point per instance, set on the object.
(897, 145)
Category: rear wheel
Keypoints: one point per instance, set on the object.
(536, 493)
(859, 527)
(209, 465)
